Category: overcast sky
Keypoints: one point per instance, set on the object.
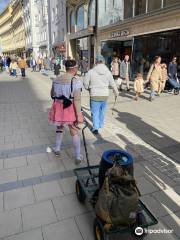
(3, 4)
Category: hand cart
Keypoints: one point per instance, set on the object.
(87, 187)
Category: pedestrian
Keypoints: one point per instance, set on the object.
(1, 63)
(57, 67)
(125, 71)
(172, 70)
(138, 86)
(66, 108)
(155, 77)
(33, 64)
(162, 82)
(40, 62)
(97, 82)
(83, 66)
(13, 67)
(8, 62)
(22, 65)
(115, 67)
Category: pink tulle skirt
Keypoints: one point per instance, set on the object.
(61, 116)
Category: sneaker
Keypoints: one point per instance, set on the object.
(57, 153)
(78, 160)
(95, 132)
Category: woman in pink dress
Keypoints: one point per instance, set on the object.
(66, 108)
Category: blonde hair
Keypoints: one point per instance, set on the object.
(163, 65)
(139, 75)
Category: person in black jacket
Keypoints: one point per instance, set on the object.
(173, 69)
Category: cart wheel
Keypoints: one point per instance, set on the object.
(176, 91)
(80, 193)
(98, 230)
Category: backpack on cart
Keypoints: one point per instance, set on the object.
(117, 203)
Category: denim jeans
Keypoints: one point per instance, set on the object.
(98, 110)
(23, 73)
(14, 72)
(153, 94)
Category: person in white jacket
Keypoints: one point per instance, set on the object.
(97, 81)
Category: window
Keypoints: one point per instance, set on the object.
(140, 7)
(154, 5)
(54, 36)
(56, 10)
(91, 13)
(53, 14)
(81, 18)
(128, 9)
(72, 22)
(165, 44)
(110, 12)
(170, 2)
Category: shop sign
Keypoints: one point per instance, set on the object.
(123, 33)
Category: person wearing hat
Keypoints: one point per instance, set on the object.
(97, 81)
(66, 107)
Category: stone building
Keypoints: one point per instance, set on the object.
(31, 26)
(41, 20)
(81, 21)
(12, 29)
(57, 14)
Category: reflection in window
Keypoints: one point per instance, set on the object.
(140, 7)
(81, 18)
(147, 47)
(170, 2)
(110, 12)
(72, 22)
(91, 14)
(154, 5)
(128, 9)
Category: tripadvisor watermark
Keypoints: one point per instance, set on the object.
(139, 231)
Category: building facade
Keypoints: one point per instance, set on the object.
(12, 29)
(140, 28)
(31, 28)
(6, 34)
(57, 14)
(41, 21)
(81, 29)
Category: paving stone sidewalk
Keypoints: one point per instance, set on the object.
(37, 193)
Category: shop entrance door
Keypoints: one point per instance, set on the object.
(114, 48)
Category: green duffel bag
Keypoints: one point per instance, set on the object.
(117, 202)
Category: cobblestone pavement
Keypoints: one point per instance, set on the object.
(37, 196)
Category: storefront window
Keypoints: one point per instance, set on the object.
(148, 46)
(128, 9)
(154, 5)
(110, 12)
(140, 7)
(170, 2)
(81, 18)
(91, 14)
(72, 22)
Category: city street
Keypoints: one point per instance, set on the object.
(37, 189)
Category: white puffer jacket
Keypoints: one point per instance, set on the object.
(98, 80)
